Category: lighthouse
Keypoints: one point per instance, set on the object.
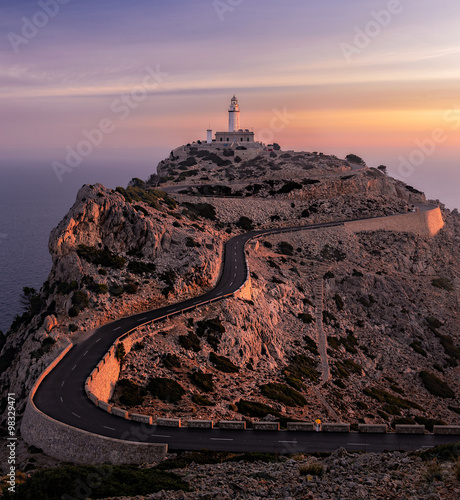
(234, 115)
(236, 136)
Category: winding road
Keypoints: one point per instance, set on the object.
(61, 395)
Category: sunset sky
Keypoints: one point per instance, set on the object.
(340, 90)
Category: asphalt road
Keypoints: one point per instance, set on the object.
(61, 395)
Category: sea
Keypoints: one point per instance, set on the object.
(33, 201)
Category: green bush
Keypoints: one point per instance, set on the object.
(190, 342)
(130, 393)
(120, 352)
(306, 318)
(116, 290)
(285, 248)
(138, 267)
(131, 288)
(443, 283)
(436, 386)
(204, 210)
(245, 223)
(172, 361)
(222, 363)
(283, 394)
(338, 302)
(166, 389)
(99, 257)
(202, 401)
(203, 381)
(80, 301)
(385, 397)
(311, 470)
(345, 368)
(256, 409)
(311, 345)
(65, 288)
(301, 368)
(99, 288)
(417, 347)
(102, 481)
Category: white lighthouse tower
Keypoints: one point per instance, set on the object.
(234, 115)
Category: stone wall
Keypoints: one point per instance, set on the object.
(70, 444)
(424, 223)
(102, 380)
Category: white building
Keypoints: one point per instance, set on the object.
(235, 136)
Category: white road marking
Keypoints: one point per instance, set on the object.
(115, 329)
(142, 319)
(62, 385)
(85, 353)
(98, 340)
(219, 439)
(76, 415)
(74, 367)
(110, 428)
(160, 436)
(61, 399)
(358, 444)
(291, 442)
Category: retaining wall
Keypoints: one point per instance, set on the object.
(427, 223)
(70, 444)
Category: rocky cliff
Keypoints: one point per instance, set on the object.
(384, 304)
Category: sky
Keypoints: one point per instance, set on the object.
(379, 78)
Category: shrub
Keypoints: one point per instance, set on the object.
(306, 318)
(131, 393)
(256, 409)
(436, 386)
(120, 352)
(352, 158)
(73, 327)
(131, 288)
(66, 482)
(338, 302)
(300, 368)
(190, 342)
(283, 394)
(288, 187)
(343, 369)
(386, 397)
(417, 347)
(311, 345)
(311, 470)
(443, 283)
(202, 401)
(103, 258)
(433, 472)
(191, 243)
(79, 302)
(203, 381)
(285, 248)
(138, 346)
(98, 288)
(172, 361)
(245, 223)
(204, 210)
(65, 288)
(166, 389)
(116, 290)
(138, 267)
(222, 363)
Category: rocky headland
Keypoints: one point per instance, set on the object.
(335, 324)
